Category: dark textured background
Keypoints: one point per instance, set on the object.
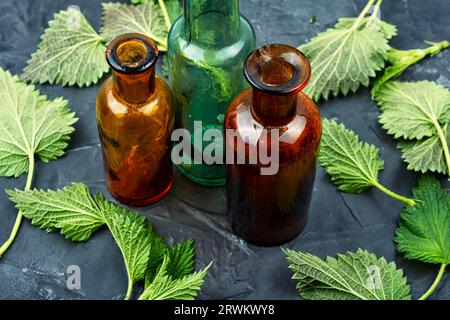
(34, 267)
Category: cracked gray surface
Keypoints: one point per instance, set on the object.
(35, 266)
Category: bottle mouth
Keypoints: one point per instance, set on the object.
(277, 69)
(131, 53)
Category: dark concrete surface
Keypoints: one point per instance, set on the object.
(35, 266)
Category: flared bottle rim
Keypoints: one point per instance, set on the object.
(146, 53)
(277, 69)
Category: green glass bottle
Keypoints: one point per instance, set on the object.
(208, 45)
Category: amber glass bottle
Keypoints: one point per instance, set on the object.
(271, 209)
(135, 120)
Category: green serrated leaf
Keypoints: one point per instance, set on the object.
(146, 19)
(413, 110)
(78, 215)
(386, 29)
(30, 124)
(164, 287)
(158, 250)
(132, 233)
(418, 113)
(354, 276)
(344, 59)
(424, 231)
(426, 154)
(71, 209)
(400, 60)
(181, 260)
(70, 52)
(353, 165)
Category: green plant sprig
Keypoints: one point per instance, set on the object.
(169, 272)
(417, 114)
(352, 164)
(30, 126)
(73, 54)
(345, 57)
(400, 60)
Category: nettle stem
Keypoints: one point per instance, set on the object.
(165, 14)
(436, 47)
(129, 290)
(443, 140)
(19, 217)
(376, 9)
(394, 195)
(363, 13)
(435, 283)
(130, 279)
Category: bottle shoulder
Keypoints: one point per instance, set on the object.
(180, 46)
(304, 128)
(108, 102)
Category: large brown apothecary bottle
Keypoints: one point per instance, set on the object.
(271, 209)
(135, 120)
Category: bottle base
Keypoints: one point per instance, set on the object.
(204, 182)
(267, 242)
(260, 243)
(147, 201)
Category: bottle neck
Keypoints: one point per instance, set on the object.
(277, 74)
(132, 58)
(273, 109)
(211, 22)
(134, 88)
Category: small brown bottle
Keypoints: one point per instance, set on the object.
(271, 209)
(135, 120)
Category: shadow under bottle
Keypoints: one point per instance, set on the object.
(272, 209)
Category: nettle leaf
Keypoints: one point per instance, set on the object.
(413, 110)
(173, 7)
(352, 164)
(132, 233)
(424, 231)
(400, 60)
(71, 209)
(146, 19)
(165, 287)
(78, 215)
(181, 260)
(354, 276)
(374, 23)
(426, 154)
(418, 113)
(30, 124)
(70, 52)
(343, 59)
(158, 249)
